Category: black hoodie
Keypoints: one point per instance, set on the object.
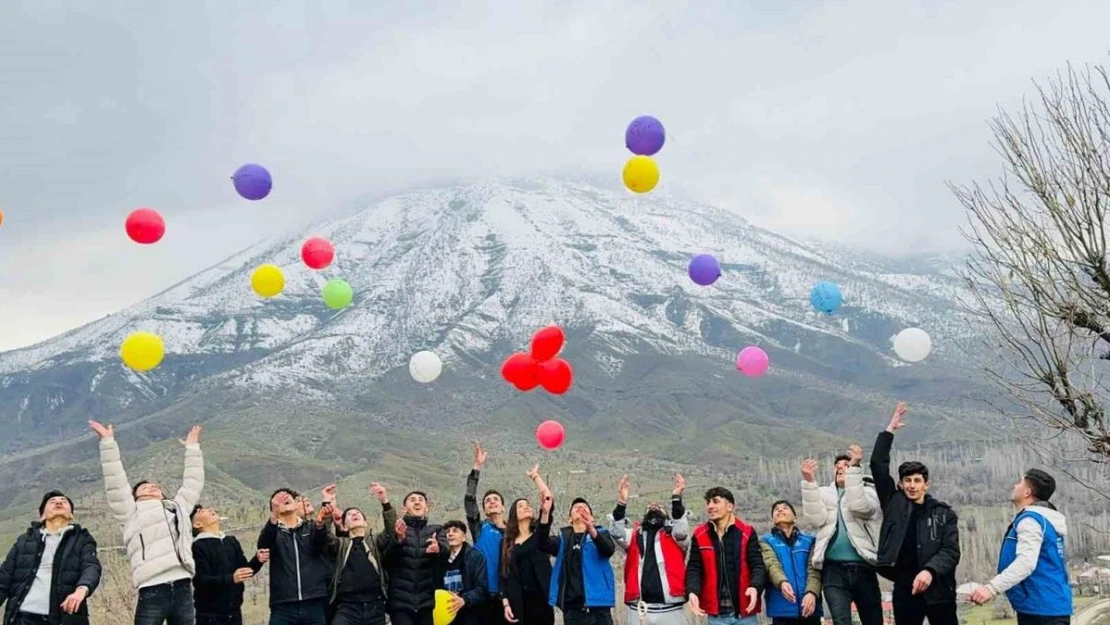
(215, 591)
(411, 568)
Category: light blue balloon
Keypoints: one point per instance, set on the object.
(826, 297)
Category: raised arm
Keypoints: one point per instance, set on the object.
(618, 522)
(389, 517)
(192, 484)
(120, 501)
(470, 499)
(858, 498)
(815, 514)
(880, 457)
(680, 523)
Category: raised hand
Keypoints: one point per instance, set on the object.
(193, 437)
(809, 470)
(104, 433)
(433, 546)
(679, 485)
(479, 456)
(855, 453)
(399, 528)
(896, 418)
(534, 473)
(242, 575)
(622, 490)
(263, 555)
(73, 602)
(328, 493)
(377, 490)
(547, 500)
(324, 513)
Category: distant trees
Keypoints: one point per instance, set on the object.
(1039, 271)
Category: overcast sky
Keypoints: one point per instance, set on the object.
(838, 119)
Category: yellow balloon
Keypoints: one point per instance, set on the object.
(641, 174)
(267, 280)
(440, 614)
(142, 351)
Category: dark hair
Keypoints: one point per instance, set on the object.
(196, 508)
(52, 494)
(722, 492)
(512, 532)
(135, 488)
(454, 523)
(494, 492)
(1042, 484)
(405, 501)
(343, 517)
(786, 503)
(580, 500)
(292, 493)
(844, 457)
(912, 467)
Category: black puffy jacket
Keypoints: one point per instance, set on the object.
(298, 570)
(938, 532)
(411, 568)
(75, 564)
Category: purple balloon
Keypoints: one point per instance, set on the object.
(252, 181)
(645, 135)
(704, 269)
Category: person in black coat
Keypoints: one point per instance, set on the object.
(461, 570)
(51, 570)
(222, 569)
(919, 544)
(410, 562)
(299, 573)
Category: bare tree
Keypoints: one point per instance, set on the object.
(1039, 268)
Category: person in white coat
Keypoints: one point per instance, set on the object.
(847, 517)
(157, 532)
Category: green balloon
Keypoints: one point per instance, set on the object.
(338, 294)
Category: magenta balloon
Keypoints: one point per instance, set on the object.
(752, 361)
(704, 269)
(645, 135)
(252, 181)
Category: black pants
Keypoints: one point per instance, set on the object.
(408, 617)
(310, 612)
(491, 612)
(535, 611)
(1034, 619)
(588, 616)
(23, 618)
(360, 614)
(911, 609)
(219, 619)
(170, 603)
(778, 620)
(848, 582)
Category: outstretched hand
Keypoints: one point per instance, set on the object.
(104, 433)
(809, 470)
(896, 418)
(327, 493)
(378, 491)
(855, 455)
(534, 472)
(622, 490)
(679, 485)
(193, 437)
(479, 456)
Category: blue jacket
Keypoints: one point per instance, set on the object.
(597, 573)
(1046, 591)
(488, 543)
(794, 560)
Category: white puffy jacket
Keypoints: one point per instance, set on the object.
(863, 515)
(156, 558)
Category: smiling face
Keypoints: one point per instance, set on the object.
(523, 510)
(718, 508)
(455, 537)
(57, 508)
(782, 514)
(915, 486)
(354, 519)
(492, 504)
(148, 492)
(284, 504)
(841, 472)
(205, 517)
(416, 505)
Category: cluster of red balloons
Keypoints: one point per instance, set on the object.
(540, 367)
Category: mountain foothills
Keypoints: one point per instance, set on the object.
(293, 392)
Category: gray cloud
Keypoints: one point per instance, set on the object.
(839, 121)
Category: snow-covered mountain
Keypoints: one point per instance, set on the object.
(470, 272)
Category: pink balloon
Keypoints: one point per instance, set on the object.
(550, 434)
(752, 361)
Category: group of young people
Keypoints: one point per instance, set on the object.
(506, 563)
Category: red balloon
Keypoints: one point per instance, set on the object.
(317, 252)
(556, 375)
(522, 371)
(547, 342)
(145, 225)
(550, 434)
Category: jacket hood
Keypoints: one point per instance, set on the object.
(1050, 514)
(201, 535)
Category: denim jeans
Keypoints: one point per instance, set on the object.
(734, 620)
(309, 612)
(847, 582)
(170, 603)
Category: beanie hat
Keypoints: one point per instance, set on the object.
(782, 502)
(52, 494)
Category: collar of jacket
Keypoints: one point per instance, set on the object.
(787, 537)
(416, 522)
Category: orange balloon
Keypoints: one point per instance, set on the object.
(1, 218)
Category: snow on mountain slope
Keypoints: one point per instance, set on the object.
(465, 268)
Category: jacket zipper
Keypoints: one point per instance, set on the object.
(297, 561)
(142, 545)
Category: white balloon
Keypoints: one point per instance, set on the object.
(912, 344)
(425, 367)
